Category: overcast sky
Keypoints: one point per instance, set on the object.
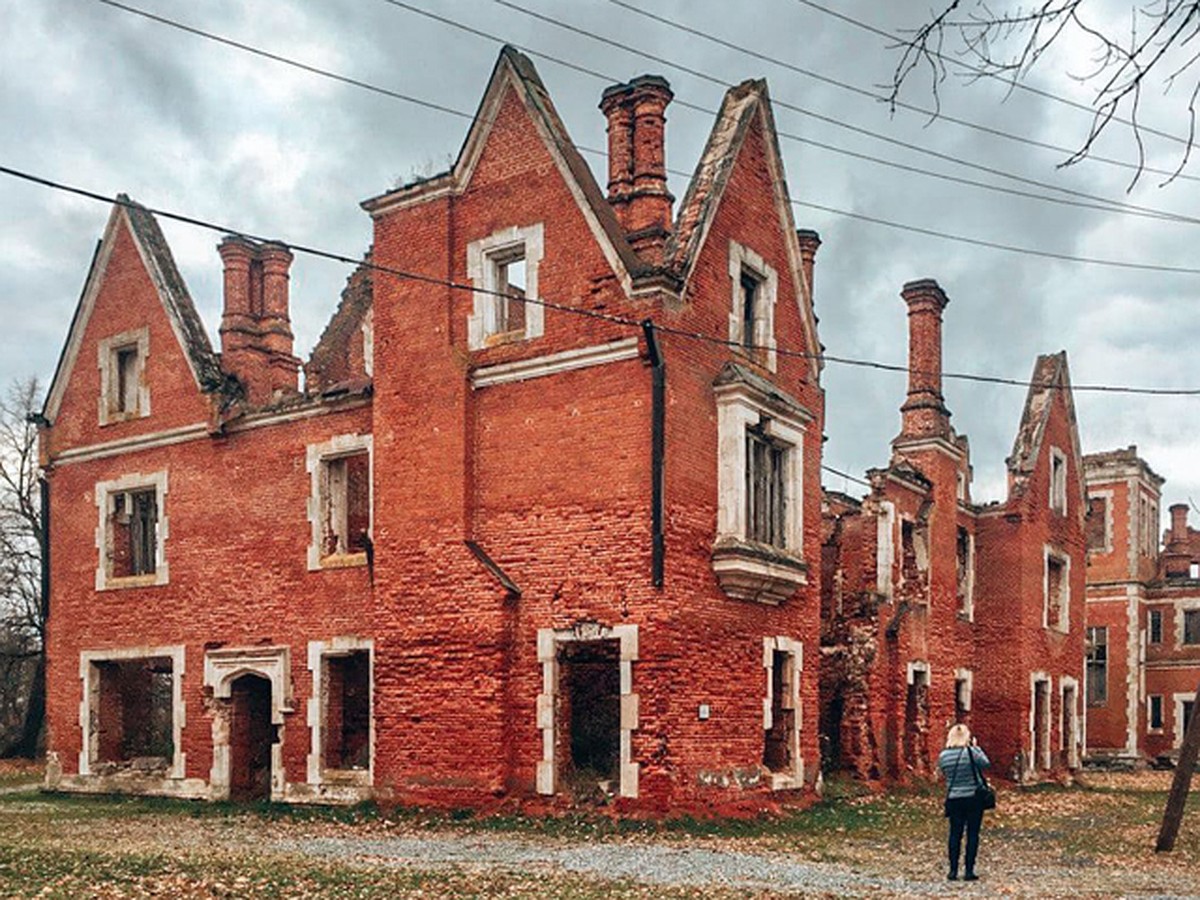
(99, 98)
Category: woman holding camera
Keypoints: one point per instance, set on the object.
(961, 764)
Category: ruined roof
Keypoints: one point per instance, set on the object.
(1049, 375)
(338, 357)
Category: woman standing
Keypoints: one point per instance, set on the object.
(961, 763)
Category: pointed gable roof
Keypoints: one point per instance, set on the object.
(168, 283)
(742, 105)
(514, 71)
(1050, 375)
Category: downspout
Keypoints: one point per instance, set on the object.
(658, 405)
(44, 495)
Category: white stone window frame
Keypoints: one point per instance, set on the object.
(324, 776)
(1045, 763)
(1177, 726)
(1151, 614)
(107, 358)
(1070, 738)
(89, 676)
(885, 549)
(548, 642)
(1063, 625)
(1181, 608)
(224, 666)
(483, 258)
(918, 665)
(1107, 496)
(967, 608)
(1162, 713)
(104, 492)
(966, 677)
(744, 260)
(1058, 481)
(794, 778)
(317, 456)
(739, 408)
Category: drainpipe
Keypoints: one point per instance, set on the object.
(44, 495)
(657, 434)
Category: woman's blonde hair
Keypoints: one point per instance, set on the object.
(958, 736)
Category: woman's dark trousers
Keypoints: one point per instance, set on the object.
(965, 812)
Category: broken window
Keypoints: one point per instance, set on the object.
(504, 270)
(1154, 712)
(1154, 626)
(510, 282)
(132, 712)
(346, 504)
(914, 558)
(1191, 626)
(347, 711)
(750, 287)
(765, 498)
(777, 739)
(1097, 524)
(1058, 481)
(962, 698)
(1097, 665)
(124, 394)
(1056, 593)
(965, 554)
(133, 533)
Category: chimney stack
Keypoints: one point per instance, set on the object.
(810, 242)
(637, 162)
(1177, 559)
(256, 332)
(924, 412)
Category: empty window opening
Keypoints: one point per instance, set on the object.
(765, 499)
(589, 700)
(1056, 593)
(1185, 716)
(914, 558)
(133, 533)
(346, 500)
(347, 727)
(966, 573)
(916, 723)
(777, 740)
(1097, 524)
(1194, 571)
(1191, 626)
(1154, 626)
(1058, 481)
(128, 378)
(1097, 665)
(1154, 712)
(962, 700)
(750, 287)
(251, 735)
(1041, 724)
(133, 716)
(510, 281)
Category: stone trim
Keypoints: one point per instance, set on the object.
(1150, 727)
(743, 259)
(104, 490)
(548, 641)
(1063, 624)
(1036, 678)
(481, 270)
(555, 363)
(221, 668)
(339, 785)
(1071, 739)
(1181, 698)
(780, 781)
(967, 676)
(1183, 605)
(107, 349)
(915, 666)
(1108, 519)
(87, 675)
(1057, 491)
(316, 455)
(885, 549)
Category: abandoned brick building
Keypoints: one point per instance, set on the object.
(1143, 613)
(492, 547)
(936, 610)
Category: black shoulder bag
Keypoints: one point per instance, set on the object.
(984, 795)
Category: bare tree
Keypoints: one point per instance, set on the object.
(22, 608)
(1160, 49)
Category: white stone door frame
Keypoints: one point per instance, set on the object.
(1035, 764)
(795, 649)
(1069, 721)
(548, 642)
(221, 669)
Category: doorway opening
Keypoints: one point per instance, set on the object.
(1041, 724)
(916, 721)
(589, 714)
(251, 736)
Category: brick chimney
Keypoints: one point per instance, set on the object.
(256, 332)
(1177, 559)
(637, 162)
(810, 242)
(924, 412)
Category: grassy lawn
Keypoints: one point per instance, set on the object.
(1099, 835)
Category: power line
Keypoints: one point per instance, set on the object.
(829, 120)
(975, 70)
(574, 310)
(901, 104)
(846, 475)
(978, 242)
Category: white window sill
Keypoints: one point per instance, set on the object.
(747, 570)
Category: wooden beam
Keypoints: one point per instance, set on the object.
(1173, 814)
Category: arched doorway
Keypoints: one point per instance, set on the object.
(251, 735)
